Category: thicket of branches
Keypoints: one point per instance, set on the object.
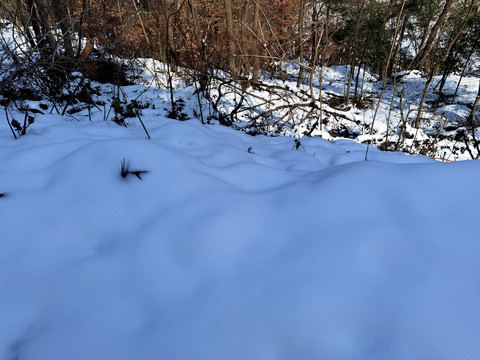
(244, 38)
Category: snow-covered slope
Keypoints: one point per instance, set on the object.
(232, 247)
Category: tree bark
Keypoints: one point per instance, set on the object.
(300, 40)
(246, 60)
(427, 46)
(354, 55)
(256, 32)
(203, 78)
(230, 40)
(60, 13)
(44, 38)
(171, 49)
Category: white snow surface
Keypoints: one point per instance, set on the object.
(224, 253)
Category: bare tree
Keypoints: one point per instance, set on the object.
(230, 38)
(427, 45)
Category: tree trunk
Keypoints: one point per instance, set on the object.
(300, 41)
(257, 41)
(200, 45)
(471, 116)
(44, 38)
(354, 55)
(424, 96)
(80, 27)
(246, 60)
(314, 29)
(230, 41)
(171, 49)
(60, 13)
(42, 15)
(427, 47)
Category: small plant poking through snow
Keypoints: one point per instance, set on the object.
(124, 171)
(27, 121)
(297, 144)
(177, 110)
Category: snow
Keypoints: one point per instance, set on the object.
(230, 246)
(221, 252)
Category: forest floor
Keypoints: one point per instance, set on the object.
(199, 241)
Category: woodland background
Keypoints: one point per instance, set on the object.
(248, 39)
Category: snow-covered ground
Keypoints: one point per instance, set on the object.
(231, 246)
(217, 245)
(390, 116)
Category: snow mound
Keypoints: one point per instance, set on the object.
(232, 247)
